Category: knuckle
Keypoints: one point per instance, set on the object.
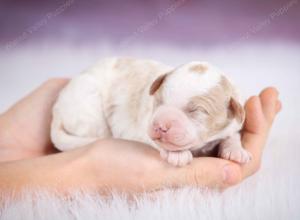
(195, 177)
(252, 169)
(237, 178)
(233, 177)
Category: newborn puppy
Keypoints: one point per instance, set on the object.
(179, 111)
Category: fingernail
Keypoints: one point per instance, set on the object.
(229, 174)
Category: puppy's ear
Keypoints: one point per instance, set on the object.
(237, 111)
(157, 83)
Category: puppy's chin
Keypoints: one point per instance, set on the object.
(173, 147)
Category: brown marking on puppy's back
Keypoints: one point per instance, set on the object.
(200, 68)
(135, 106)
(139, 76)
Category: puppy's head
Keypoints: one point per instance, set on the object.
(194, 104)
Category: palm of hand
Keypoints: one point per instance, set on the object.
(27, 124)
(27, 128)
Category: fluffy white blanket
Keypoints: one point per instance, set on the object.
(271, 194)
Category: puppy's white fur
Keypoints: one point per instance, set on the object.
(181, 90)
(98, 103)
(112, 99)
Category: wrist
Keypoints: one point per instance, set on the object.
(59, 172)
(73, 170)
(125, 166)
(5, 139)
(11, 148)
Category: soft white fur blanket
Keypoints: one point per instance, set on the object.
(272, 193)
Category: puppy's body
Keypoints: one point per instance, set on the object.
(112, 100)
(109, 100)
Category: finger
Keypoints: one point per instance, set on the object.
(278, 106)
(253, 143)
(206, 172)
(263, 109)
(254, 134)
(255, 120)
(269, 102)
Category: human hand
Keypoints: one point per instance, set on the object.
(25, 127)
(137, 167)
(124, 165)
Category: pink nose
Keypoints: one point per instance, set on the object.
(160, 130)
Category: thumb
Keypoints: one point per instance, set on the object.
(206, 172)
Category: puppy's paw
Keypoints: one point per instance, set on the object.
(237, 154)
(177, 158)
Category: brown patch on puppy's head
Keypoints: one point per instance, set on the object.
(200, 68)
(216, 109)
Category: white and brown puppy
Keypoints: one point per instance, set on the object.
(178, 111)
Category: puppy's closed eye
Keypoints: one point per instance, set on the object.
(193, 109)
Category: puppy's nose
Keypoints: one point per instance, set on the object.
(161, 129)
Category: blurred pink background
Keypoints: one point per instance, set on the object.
(181, 22)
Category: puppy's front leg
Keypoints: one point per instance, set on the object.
(177, 158)
(232, 149)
